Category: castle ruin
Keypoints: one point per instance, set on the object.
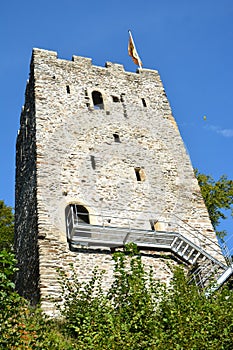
(100, 162)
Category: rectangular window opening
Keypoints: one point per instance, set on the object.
(116, 137)
(143, 102)
(140, 174)
(115, 99)
(67, 89)
(93, 163)
(122, 98)
(153, 224)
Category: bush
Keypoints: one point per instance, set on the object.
(140, 313)
(23, 327)
(136, 313)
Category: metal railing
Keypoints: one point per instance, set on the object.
(174, 224)
(180, 240)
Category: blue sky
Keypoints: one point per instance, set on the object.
(189, 42)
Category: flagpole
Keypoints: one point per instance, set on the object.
(139, 61)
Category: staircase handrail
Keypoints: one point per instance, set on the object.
(192, 231)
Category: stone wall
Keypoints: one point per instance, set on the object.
(75, 157)
(26, 230)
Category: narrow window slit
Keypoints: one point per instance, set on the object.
(143, 102)
(116, 138)
(93, 163)
(140, 174)
(67, 89)
(152, 224)
(122, 98)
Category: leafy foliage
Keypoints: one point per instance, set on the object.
(7, 270)
(22, 327)
(6, 226)
(218, 196)
(189, 320)
(136, 313)
(140, 313)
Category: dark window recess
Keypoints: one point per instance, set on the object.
(67, 89)
(137, 172)
(140, 174)
(93, 163)
(97, 100)
(87, 99)
(152, 224)
(80, 213)
(76, 215)
(116, 138)
(124, 105)
(115, 99)
(122, 98)
(143, 102)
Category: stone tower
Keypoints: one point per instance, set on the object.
(100, 162)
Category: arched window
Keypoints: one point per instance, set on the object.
(97, 100)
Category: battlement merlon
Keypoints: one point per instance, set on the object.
(41, 55)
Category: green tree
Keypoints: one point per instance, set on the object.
(218, 197)
(6, 226)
